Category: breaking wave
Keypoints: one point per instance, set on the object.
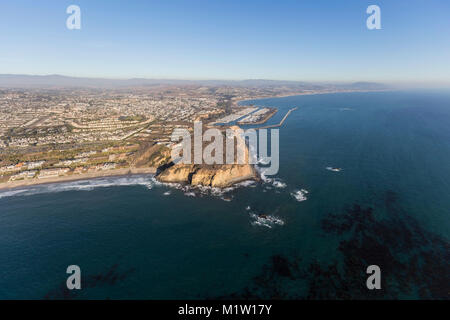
(300, 195)
(82, 185)
(12, 193)
(274, 182)
(264, 161)
(267, 221)
(194, 191)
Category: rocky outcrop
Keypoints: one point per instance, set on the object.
(176, 173)
(220, 176)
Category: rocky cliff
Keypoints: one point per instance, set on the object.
(217, 175)
(214, 176)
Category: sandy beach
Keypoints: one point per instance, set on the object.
(76, 177)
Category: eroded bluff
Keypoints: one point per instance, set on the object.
(219, 176)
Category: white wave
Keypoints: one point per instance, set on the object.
(300, 195)
(12, 193)
(264, 161)
(167, 193)
(200, 190)
(253, 154)
(262, 175)
(265, 220)
(247, 208)
(82, 185)
(246, 183)
(275, 182)
(167, 184)
(148, 181)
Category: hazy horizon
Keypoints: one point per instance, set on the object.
(205, 40)
(218, 81)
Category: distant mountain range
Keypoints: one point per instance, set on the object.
(59, 81)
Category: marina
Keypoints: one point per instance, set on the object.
(281, 122)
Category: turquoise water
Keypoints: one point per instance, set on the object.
(389, 205)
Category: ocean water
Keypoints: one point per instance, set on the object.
(136, 239)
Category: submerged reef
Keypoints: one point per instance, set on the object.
(414, 262)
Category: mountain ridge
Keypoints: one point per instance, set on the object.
(62, 81)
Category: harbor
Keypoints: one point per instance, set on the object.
(281, 122)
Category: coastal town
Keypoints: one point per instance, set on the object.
(49, 133)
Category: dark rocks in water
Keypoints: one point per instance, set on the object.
(109, 278)
(281, 266)
(414, 262)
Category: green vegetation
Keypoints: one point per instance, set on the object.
(37, 131)
(133, 118)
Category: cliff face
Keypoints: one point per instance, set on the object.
(176, 173)
(218, 175)
(214, 176)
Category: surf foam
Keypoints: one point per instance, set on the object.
(300, 195)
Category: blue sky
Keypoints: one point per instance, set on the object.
(313, 40)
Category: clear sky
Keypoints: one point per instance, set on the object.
(310, 40)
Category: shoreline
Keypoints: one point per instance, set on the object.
(276, 125)
(149, 170)
(266, 118)
(76, 177)
(306, 94)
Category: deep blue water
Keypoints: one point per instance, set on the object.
(389, 206)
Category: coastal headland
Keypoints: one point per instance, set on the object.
(50, 135)
(214, 175)
(156, 159)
